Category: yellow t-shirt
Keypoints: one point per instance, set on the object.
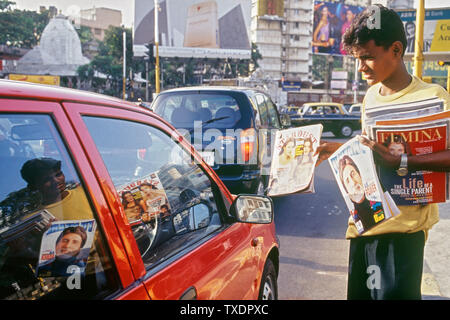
(75, 206)
(411, 218)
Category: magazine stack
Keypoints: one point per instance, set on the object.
(416, 128)
(354, 169)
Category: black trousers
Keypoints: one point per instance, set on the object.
(386, 267)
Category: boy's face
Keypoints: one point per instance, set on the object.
(375, 62)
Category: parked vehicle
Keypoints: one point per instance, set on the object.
(331, 115)
(233, 128)
(142, 215)
(355, 109)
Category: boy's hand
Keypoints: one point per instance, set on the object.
(325, 150)
(381, 153)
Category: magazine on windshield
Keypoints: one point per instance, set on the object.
(419, 138)
(65, 248)
(355, 173)
(293, 160)
(144, 198)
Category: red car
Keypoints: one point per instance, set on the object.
(103, 199)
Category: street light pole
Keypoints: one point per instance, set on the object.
(157, 87)
(124, 64)
(418, 45)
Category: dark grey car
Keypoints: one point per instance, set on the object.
(234, 129)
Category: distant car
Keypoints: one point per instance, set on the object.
(331, 115)
(233, 128)
(141, 214)
(355, 109)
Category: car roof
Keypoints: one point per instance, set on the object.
(27, 90)
(323, 104)
(213, 88)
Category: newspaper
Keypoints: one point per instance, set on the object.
(144, 198)
(293, 161)
(354, 170)
(414, 137)
(65, 248)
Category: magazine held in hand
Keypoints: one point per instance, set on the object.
(414, 128)
(293, 161)
(354, 169)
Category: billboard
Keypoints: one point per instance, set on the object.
(436, 29)
(195, 28)
(51, 80)
(271, 8)
(330, 21)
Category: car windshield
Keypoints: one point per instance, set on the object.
(211, 110)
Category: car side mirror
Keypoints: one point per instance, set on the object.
(194, 218)
(285, 120)
(252, 209)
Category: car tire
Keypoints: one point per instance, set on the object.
(268, 289)
(345, 131)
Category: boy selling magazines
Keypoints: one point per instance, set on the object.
(395, 248)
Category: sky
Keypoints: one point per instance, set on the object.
(66, 6)
(127, 6)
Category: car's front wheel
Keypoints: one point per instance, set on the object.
(269, 288)
(345, 131)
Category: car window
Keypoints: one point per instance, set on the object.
(50, 243)
(272, 112)
(315, 110)
(262, 107)
(168, 199)
(182, 110)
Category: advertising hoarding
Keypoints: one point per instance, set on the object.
(195, 28)
(330, 21)
(271, 8)
(51, 80)
(436, 29)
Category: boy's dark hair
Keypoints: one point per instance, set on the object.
(34, 169)
(384, 32)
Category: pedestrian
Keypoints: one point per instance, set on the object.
(393, 250)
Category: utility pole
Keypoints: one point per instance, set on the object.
(157, 87)
(146, 80)
(418, 45)
(124, 81)
(355, 83)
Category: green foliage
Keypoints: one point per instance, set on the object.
(21, 28)
(5, 5)
(85, 34)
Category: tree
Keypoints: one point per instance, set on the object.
(109, 60)
(5, 5)
(21, 28)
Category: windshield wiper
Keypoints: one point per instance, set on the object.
(210, 121)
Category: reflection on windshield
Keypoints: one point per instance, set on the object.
(182, 110)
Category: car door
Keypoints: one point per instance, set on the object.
(48, 190)
(184, 240)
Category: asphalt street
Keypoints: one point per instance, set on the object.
(314, 252)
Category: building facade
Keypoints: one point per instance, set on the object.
(99, 20)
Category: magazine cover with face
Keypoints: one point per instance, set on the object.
(65, 248)
(144, 198)
(293, 160)
(419, 186)
(354, 169)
